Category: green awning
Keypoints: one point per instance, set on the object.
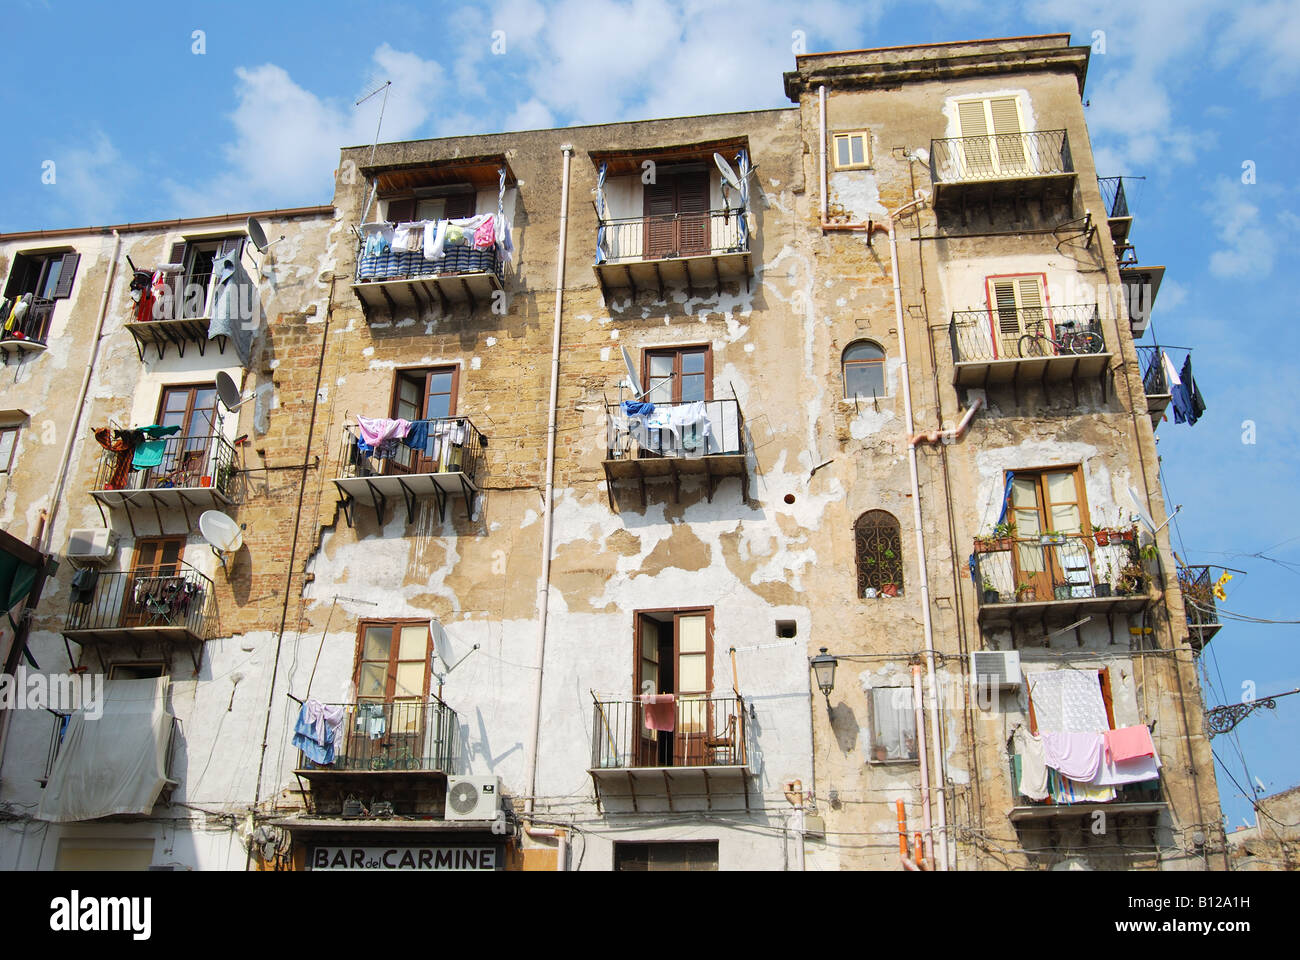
(16, 580)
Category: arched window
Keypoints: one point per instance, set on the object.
(864, 370)
(880, 555)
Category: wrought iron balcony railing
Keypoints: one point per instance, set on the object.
(672, 235)
(34, 327)
(1058, 567)
(457, 447)
(1025, 333)
(60, 727)
(706, 732)
(393, 735)
(457, 260)
(179, 597)
(187, 462)
(1155, 381)
(1197, 586)
(1115, 196)
(1005, 156)
(674, 431)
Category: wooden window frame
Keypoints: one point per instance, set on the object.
(140, 542)
(845, 364)
(400, 372)
(837, 135)
(190, 407)
(990, 298)
(46, 259)
(6, 464)
(676, 612)
(1047, 576)
(677, 246)
(394, 648)
(676, 352)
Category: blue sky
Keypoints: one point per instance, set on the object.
(140, 126)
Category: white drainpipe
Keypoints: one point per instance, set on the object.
(544, 586)
(561, 851)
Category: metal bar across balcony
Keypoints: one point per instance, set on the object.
(706, 732)
(31, 332)
(390, 281)
(1004, 156)
(188, 463)
(692, 250)
(392, 736)
(175, 602)
(1026, 333)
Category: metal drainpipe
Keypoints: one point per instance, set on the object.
(544, 586)
(81, 398)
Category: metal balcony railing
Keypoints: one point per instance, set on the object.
(1052, 567)
(180, 597)
(1155, 381)
(707, 732)
(1114, 196)
(457, 260)
(61, 726)
(187, 462)
(459, 447)
(676, 430)
(409, 735)
(1125, 793)
(671, 236)
(1197, 586)
(1005, 156)
(1025, 333)
(34, 327)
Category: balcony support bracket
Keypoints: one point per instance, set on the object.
(408, 495)
(379, 500)
(668, 789)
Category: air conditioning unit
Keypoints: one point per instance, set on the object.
(997, 668)
(92, 545)
(473, 798)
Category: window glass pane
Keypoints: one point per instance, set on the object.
(692, 715)
(862, 350)
(431, 209)
(410, 680)
(842, 151)
(864, 380)
(438, 408)
(857, 149)
(408, 390)
(1024, 493)
(691, 674)
(660, 365)
(649, 641)
(1065, 518)
(692, 388)
(893, 733)
(7, 439)
(691, 634)
(373, 680)
(51, 280)
(693, 362)
(1060, 487)
(413, 643)
(378, 641)
(440, 382)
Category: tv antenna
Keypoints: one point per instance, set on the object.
(383, 87)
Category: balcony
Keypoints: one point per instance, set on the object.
(29, 334)
(1155, 380)
(658, 450)
(1197, 587)
(1140, 800)
(1058, 578)
(706, 753)
(138, 608)
(1141, 284)
(60, 727)
(1017, 346)
(1118, 215)
(395, 751)
(451, 467)
(692, 250)
(196, 472)
(392, 281)
(1009, 167)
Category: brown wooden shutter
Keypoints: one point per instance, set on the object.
(401, 211)
(1106, 696)
(17, 270)
(460, 205)
(176, 285)
(660, 209)
(693, 215)
(231, 245)
(67, 272)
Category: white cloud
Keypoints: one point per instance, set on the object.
(90, 181)
(1248, 246)
(530, 115)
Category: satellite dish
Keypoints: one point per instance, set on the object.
(1141, 514)
(633, 379)
(258, 236)
(223, 534)
(228, 392)
(728, 175)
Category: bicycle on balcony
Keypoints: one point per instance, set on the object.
(1073, 341)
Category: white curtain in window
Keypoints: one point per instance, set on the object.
(894, 723)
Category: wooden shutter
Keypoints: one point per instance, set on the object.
(972, 117)
(1017, 305)
(660, 207)
(1010, 147)
(975, 153)
(460, 205)
(176, 285)
(231, 245)
(692, 215)
(401, 211)
(67, 271)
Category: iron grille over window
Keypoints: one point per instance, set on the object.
(880, 555)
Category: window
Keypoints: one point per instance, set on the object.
(678, 374)
(995, 124)
(1050, 501)
(426, 394)
(393, 661)
(1017, 306)
(192, 407)
(674, 654)
(879, 554)
(8, 444)
(850, 150)
(46, 276)
(423, 205)
(156, 564)
(864, 370)
(191, 287)
(142, 670)
(676, 208)
(893, 724)
(646, 857)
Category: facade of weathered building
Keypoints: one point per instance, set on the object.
(492, 599)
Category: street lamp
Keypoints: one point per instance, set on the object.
(823, 667)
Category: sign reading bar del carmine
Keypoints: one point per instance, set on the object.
(404, 858)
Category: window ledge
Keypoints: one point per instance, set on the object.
(893, 763)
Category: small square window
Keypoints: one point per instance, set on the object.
(893, 725)
(850, 151)
(8, 441)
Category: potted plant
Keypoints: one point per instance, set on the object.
(1026, 592)
(1102, 587)
(985, 544)
(880, 752)
(1101, 535)
(1004, 534)
(1132, 579)
(1061, 590)
(889, 590)
(991, 594)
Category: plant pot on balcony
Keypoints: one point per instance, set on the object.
(889, 590)
(1101, 590)
(1061, 591)
(992, 596)
(1102, 537)
(1026, 594)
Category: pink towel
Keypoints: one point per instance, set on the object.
(485, 236)
(1129, 743)
(660, 711)
(376, 430)
(1074, 755)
